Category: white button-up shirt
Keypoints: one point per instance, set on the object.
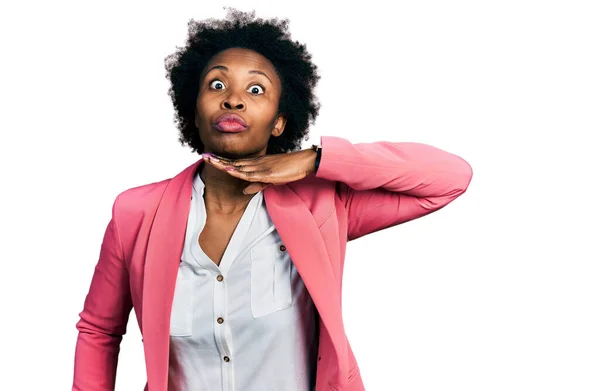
(247, 324)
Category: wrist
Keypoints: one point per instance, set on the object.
(315, 157)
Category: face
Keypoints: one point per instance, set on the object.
(242, 82)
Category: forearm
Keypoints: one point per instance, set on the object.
(383, 184)
(96, 357)
(103, 321)
(414, 169)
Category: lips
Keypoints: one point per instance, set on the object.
(230, 123)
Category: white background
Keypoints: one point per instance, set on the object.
(498, 291)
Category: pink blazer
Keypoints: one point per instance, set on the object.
(358, 189)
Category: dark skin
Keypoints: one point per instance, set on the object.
(243, 82)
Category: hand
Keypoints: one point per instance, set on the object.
(266, 170)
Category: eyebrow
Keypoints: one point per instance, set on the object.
(224, 68)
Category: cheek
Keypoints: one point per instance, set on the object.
(203, 106)
(267, 108)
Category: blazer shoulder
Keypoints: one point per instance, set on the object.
(312, 187)
(139, 199)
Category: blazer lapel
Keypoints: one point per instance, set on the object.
(302, 238)
(163, 254)
(296, 227)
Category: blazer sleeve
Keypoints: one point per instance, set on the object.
(104, 317)
(384, 183)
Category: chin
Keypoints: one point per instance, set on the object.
(235, 154)
(238, 151)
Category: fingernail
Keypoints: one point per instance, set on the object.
(229, 168)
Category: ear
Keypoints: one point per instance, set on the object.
(279, 126)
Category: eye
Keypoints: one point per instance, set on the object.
(217, 84)
(256, 89)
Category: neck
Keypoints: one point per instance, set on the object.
(223, 192)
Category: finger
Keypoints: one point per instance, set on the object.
(216, 163)
(222, 162)
(250, 176)
(256, 187)
(234, 170)
(244, 166)
(249, 173)
(221, 158)
(241, 161)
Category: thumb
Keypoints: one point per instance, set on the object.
(255, 187)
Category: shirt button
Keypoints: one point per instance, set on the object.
(226, 359)
(282, 248)
(219, 278)
(220, 320)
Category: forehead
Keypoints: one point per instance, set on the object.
(243, 59)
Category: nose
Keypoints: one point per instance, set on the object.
(232, 101)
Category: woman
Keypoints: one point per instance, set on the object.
(234, 266)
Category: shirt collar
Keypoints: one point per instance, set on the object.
(198, 186)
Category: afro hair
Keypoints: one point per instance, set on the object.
(270, 38)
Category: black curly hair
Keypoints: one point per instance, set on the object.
(270, 38)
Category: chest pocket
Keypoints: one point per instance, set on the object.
(182, 311)
(271, 273)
